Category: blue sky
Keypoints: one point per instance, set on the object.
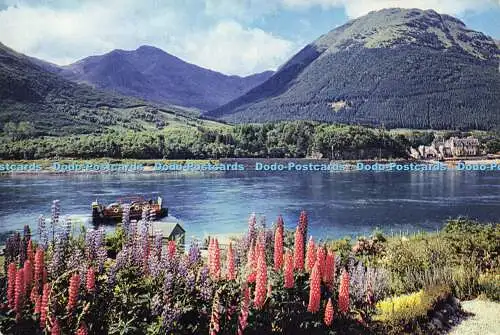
(231, 36)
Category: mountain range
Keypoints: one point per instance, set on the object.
(56, 106)
(152, 74)
(393, 67)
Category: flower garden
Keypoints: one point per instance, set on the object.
(270, 281)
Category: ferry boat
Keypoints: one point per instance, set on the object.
(113, 213)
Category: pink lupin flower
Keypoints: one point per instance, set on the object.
(328, 318)
(29, 252)
(321, 259)
(209, 255)
(278, 247)
(74, 284)
(261, 281)
(38, 304)
(34, 294)
(56, 329)
(344, 292)
(298, 252)
(314, 290)
(19, 293)
(216, 260)
(303, 223)
(44, 304)
(289, 281)
(310, 254)
(329, 274)
(252, 264)
(171, 248)
(28, 274)
(90, 282)
(82, 329)
(215, 316)
(245, 304)
(38, 275)
(11, 284)
(260, 245)
(231, 271)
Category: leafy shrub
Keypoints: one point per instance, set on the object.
(474, 241)
(489, 284)
(403, 312)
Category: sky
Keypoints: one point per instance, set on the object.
(239, 37)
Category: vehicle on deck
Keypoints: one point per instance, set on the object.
(113, 212)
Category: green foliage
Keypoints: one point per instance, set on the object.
(341, 247)
(131, 303)
(489, 284)
(404, 312)
(297, 139)
(474, 241)
(115, 241)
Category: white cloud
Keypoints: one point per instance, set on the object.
(66, 34)
(245, 10)
(217, 34)
(355, 8)
(231, 48)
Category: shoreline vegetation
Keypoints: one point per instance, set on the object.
(268, 280)
(292, 139)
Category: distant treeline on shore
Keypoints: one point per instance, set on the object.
(296, 139)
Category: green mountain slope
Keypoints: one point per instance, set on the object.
(52, 105)
(394, 67)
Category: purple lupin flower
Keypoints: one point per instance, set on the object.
(357, 282)
(123, 257)
(75, 259)
(132, 238)
(145, 214)
(168, 285)
(12, 246)
(252, 231)
(142, 244)
(54, 217)
(126, 219)
(89, 244)
(194, 253)
(154, 265)
(204, 284)
(56, 265)
(24, 244)
(378, 280)
(66, 229)
(191, 281)
(101, 257)
(158, 244)
(169, 316)
(156, 305)
(182, 266)
(42, 232)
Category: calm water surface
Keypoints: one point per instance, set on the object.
(339, 204)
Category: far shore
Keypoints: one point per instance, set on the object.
(45, 166)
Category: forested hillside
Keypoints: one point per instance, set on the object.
(297, 139)
(35, 102)
(394, 67)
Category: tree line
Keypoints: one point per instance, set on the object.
(294, 139)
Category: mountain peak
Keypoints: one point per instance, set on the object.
(150, 49)
(407, 68)
(393, 27)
